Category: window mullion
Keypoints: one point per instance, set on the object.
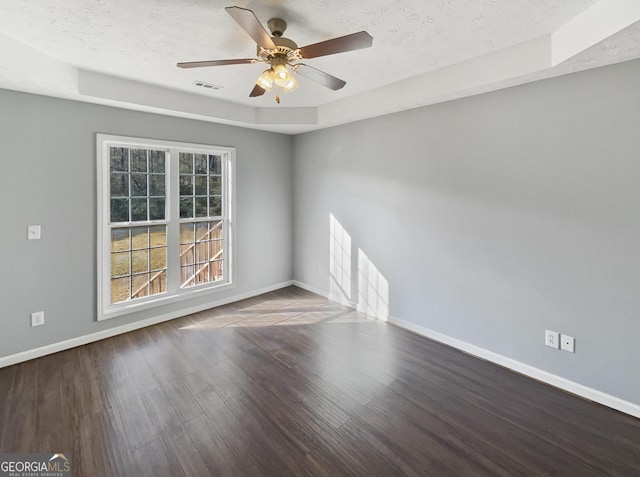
(173, 231)
(227, 214)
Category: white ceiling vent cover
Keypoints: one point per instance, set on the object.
(204, 85)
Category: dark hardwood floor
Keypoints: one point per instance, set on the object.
(291, 384)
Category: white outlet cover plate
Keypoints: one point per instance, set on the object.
(567, 343)
(37, 318)
(552, 339)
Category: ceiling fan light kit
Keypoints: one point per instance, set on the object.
(283, 54)
(278, 76)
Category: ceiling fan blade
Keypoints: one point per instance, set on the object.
(257, 91)
(200, 64)
(250, 23)
(325, 79)
(355, 41)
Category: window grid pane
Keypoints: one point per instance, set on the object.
(137, 185)
(201, 253)
(200, 186)
(138, 262)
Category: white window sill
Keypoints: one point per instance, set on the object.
(127, 308)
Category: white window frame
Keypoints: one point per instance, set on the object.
(174, 292)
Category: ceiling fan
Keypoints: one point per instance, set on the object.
(279, 52)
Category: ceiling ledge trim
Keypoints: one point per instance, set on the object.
(120, 90)
(596, 23)
(127, 91)
(34, 65)
(284, 116)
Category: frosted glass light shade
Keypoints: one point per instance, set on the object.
(265, 81)
(290, 86)
(281, 76)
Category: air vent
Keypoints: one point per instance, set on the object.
(204, 85)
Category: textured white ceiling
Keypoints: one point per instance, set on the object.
(142, 40)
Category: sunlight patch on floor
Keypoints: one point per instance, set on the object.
(280, 318)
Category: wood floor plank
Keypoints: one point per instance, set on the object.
(153, 460)
(276, 451)
(56, 419)
(235, 436)
(288, 383)
(327, 403)
(19, 428)
(296, 419)
(160, 411)
(215, 453)
(7, 393)
(131, 420)
(182, 400)
(179, 447)
(102, 450)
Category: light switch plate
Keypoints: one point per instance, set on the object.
(33, 232)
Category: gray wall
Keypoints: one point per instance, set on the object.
(48, 177)
(493, 218)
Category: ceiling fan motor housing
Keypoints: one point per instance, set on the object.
(282, 41)
(284, 47)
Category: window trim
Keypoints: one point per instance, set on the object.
(106, 310)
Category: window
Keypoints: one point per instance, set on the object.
(164, 221)
(201, 250)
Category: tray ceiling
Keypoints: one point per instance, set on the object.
(124, 53)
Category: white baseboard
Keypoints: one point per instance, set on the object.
(311, 289)
(530, 371)
(329, 296)
(100, 335)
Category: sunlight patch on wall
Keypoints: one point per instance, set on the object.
(373, 289)
(339, 262)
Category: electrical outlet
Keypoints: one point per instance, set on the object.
(552, 338)
(37, 318)
(568, 343)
